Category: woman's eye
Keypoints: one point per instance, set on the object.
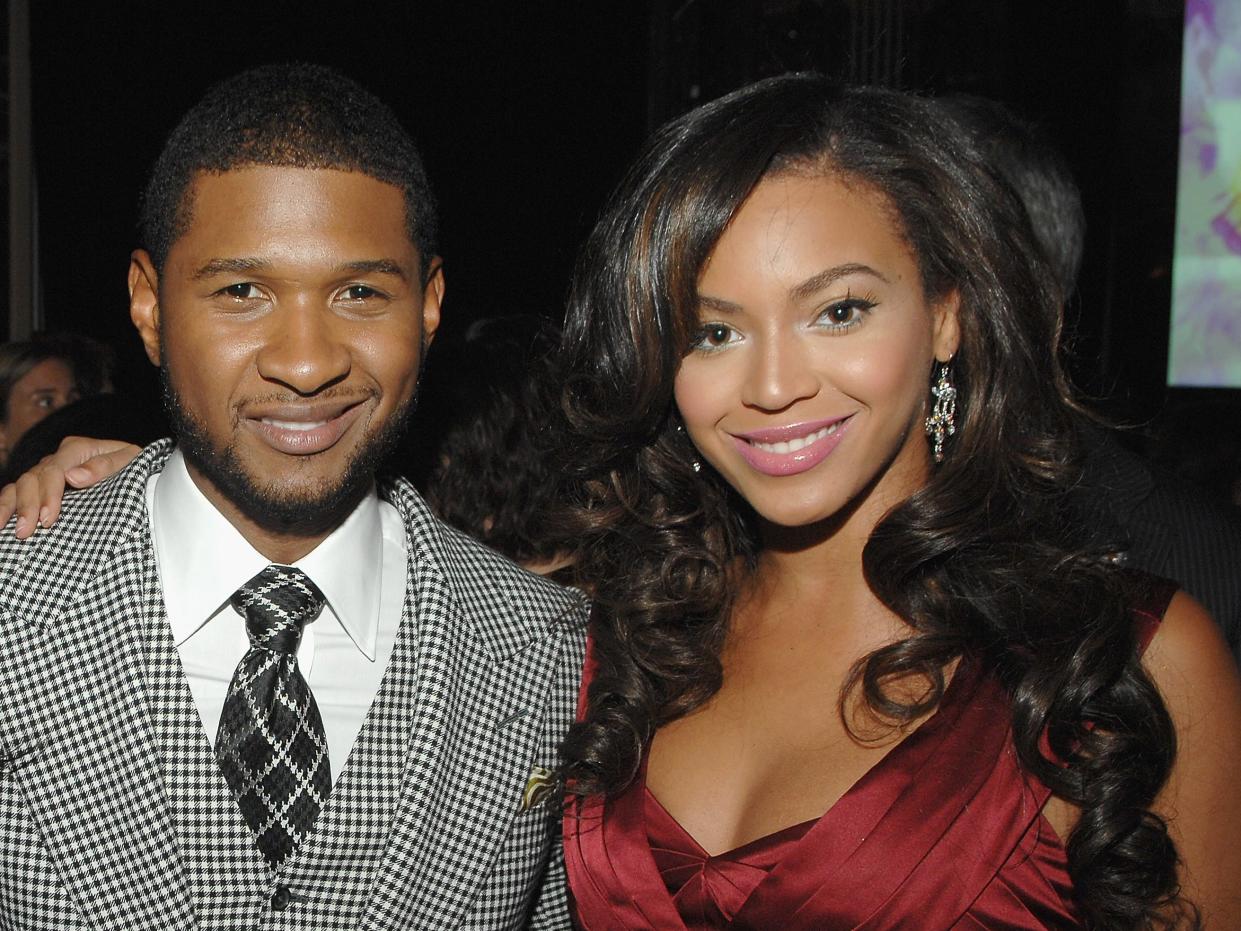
(714, 336)
(845, 314)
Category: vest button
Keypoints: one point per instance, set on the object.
(280, 898)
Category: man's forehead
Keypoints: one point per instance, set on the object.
(254, 174)
(261, 208)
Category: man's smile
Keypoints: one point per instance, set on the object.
(305, 429)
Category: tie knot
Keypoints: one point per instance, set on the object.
(276, 603)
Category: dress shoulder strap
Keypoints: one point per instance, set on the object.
(1153, 595)
(588, 674)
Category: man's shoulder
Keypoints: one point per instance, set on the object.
(93, 522)
(482, 580)
(479, 565)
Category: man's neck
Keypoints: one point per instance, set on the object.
(278, 545)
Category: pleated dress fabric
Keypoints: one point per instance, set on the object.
(944, 832)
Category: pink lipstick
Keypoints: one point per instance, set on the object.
(792, 449)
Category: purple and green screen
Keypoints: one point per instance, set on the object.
(1205, 345)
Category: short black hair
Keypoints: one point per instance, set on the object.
(292, 115)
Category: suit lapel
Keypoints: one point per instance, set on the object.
(475, 741)
(89, 771)
(477, 716)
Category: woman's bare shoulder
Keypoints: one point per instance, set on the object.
(1190, 663)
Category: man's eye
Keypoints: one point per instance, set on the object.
(242, 292)
(358, 292)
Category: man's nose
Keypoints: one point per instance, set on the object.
(303, 349)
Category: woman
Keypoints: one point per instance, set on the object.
(853, 661)
(36, 379)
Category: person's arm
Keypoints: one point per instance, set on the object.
(1194, 670)
(79, 462)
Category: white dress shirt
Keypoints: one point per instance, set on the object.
(360, 568)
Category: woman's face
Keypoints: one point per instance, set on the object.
(808, 385)
(47, 387)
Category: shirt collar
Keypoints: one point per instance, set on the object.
(203, 559)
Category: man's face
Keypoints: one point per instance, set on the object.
(290, 322)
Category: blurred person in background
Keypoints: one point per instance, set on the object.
(117, 416)
(92, 361)
(1198, 438)
(37, 377)
(1162, 513)
(495, 455)
(41, 375)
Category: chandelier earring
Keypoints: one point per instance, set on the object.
(695, 463)
(941, 422)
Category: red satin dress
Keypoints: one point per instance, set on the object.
(944, 832)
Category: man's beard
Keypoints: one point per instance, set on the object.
(270, 504)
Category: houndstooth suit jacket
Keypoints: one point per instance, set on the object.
(113, 814)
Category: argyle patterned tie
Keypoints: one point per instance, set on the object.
(270, 745)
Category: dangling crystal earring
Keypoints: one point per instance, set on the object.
(940, 423)
(694, 463)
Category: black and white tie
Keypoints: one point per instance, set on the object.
(271, 745)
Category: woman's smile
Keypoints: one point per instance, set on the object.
(793, 449)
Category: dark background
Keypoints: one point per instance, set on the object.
(527, 113)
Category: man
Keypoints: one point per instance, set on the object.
(242, 684)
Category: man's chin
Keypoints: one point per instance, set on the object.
(279, 493)
(301, 507)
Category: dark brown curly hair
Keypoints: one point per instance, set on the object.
(494, 474)
(988, 560)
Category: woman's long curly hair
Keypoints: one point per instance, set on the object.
(987, 561)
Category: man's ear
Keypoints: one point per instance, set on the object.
(144, 301)
(947, 333)
(432, 300)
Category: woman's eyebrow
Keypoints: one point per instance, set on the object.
(718, 303)
(816, 283)
(808, 288)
